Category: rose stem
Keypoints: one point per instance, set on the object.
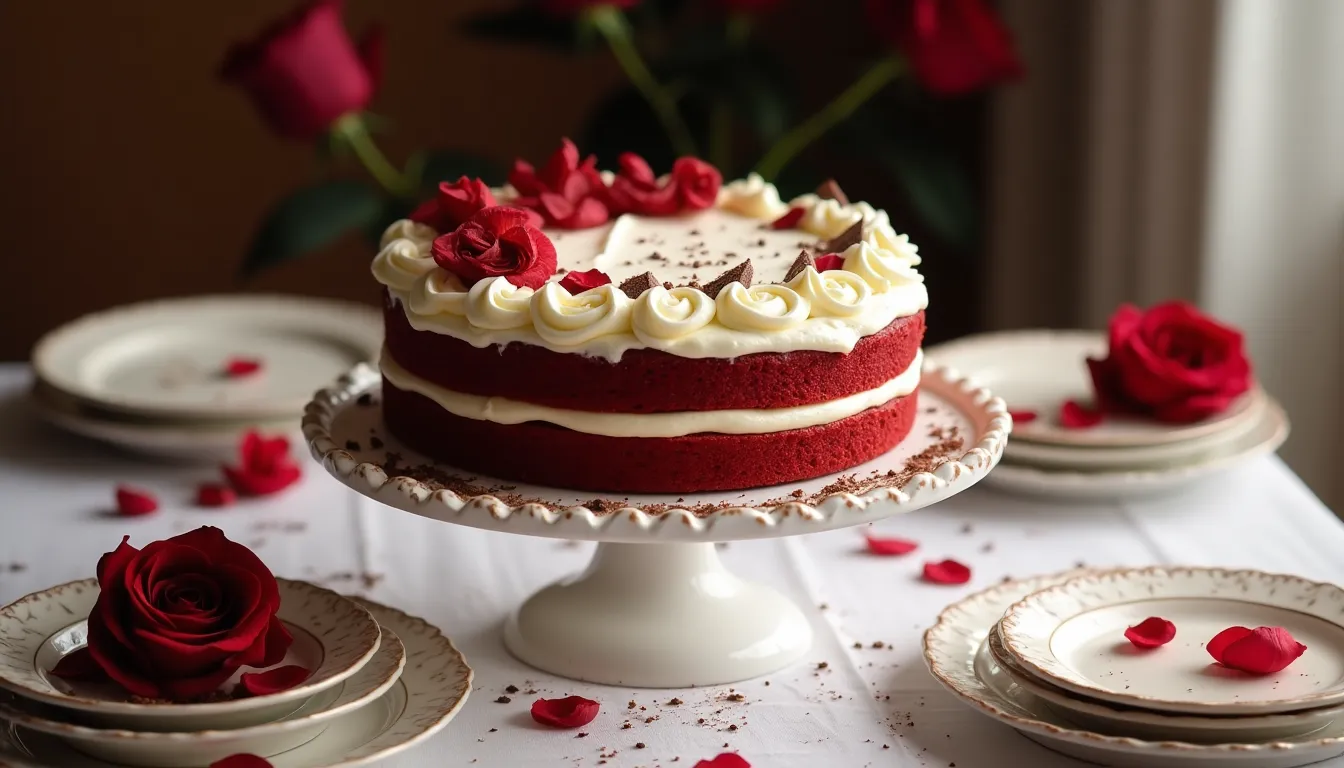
(351, 129)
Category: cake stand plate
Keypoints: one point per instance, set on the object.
(656, 608)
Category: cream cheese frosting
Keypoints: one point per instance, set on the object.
(744, 421)
(823, 311)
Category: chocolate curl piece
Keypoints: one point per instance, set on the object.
(742, 273)
(841, 243)
(638, 284)
(829, 190)
(803, 261)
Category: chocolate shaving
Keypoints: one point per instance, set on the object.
(803, 261)
(742, 273)
(829, 190)
(696, 285)
(851, 236)
(637, 285)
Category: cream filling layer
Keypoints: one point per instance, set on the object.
(745, 421)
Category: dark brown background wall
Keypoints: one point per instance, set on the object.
(130, 172)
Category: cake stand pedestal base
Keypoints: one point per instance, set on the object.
(657, 616)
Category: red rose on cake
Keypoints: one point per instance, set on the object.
(693, 185)
(498, 242)
(568, 193)
(1171, 363)
(456, 202)
(176, 619)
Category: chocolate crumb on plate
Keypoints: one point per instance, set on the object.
(511, 689)
(351, 445)
(365, 399)
(503, 700)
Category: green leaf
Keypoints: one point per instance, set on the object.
(312, 217)
(447, 165)
(523, 24)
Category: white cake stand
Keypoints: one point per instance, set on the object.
(655, 607)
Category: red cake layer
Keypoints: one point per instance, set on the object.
(650, 381)
(541, 453)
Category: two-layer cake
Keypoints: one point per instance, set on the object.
(621, 332)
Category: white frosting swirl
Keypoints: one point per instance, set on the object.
(439, 292)
(766, 307)
(567, 320)
(422, 234)
(882, 236)
(402, 262)
(825, 218)
(754, 197)
(497, 304)
(671, 314)
(834, 293)
(881, 269)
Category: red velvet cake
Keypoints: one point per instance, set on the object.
(631, 333)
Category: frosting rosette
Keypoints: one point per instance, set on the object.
(565, 319)
(663, 314)
(761, 307)
(402, 262)
(497, 304)
(753, 197)
(881, 269)
(825, 218)
(439, 292)
(882, 236)
(833, 293)
(422, 234)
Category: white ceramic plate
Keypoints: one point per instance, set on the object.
(1039, 370)
(333, 636)
(1124, 721)
(958, 656)
(198, 749)
(1072, 636)
(214, 441)
(432, 688)
(1128, 459)
(165, 358)
(1263, 438)
(335, 420)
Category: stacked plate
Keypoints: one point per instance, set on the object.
(379, 681)
(157, 377)
(1035, 372)
(1048, 656)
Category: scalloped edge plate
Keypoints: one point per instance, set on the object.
(985, 414)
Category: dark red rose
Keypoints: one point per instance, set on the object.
(176, 619)
(264, 466)
(1171, 363)
(693, 185)
(568, 193)
(574, 7)
(578, 282)
(953, 46)
(499, 241)
(303, 72)
(456, 202)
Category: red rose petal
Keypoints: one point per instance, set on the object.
(273, 680)
(242, 761)
(829, 261)
(569, 712)
(947, 572)
(1261, 651)
(1023, 416)
(725, 760)
(238, 367)
(790, 219)
(215, 495)
(578, 282)
(887, 545)
(1151, 632)
(264, 467)
(133, 502)
(78, 665)
(1073, 415)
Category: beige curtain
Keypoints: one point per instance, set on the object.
(1162, 149)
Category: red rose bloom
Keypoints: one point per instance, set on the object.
(303, 72)
(499, 241)
(176, 619)
(953, 46)
(456, 202)
(1171, 363)
(567, 193)
(693, 185)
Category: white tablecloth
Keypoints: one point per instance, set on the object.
(869, 707)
